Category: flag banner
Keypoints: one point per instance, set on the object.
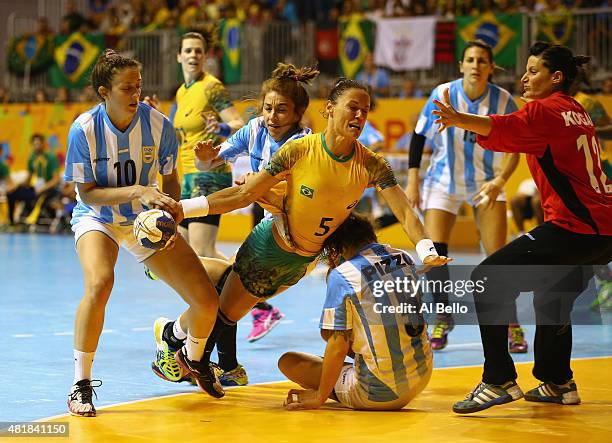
(327, 44)
(355, 42)
(556, 27)
(445, 42)
(33, 49)
(74, 57)
(503, 32)
(405, 43)
(230, 31)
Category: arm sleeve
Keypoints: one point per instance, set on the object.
(417, 142)
(336, 314)
(168, 149)
(285, 157)
(236, 146)
(219, 98)
(518, 132)
(78, 160)
(381, 174)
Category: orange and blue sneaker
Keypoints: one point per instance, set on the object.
(566, 394)
(485, 395)
(516, 339)
(439, 337)
(235, 377)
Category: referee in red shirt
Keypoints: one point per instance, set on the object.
(563, 156)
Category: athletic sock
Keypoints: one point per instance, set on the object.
(221, 324)
(195, 347)
(226, 348)
(169, 337)
(83, 362)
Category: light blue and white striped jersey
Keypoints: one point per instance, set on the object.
(370, 135)
(388, 360)
(459, 165)
(254, 140)
(98, 152)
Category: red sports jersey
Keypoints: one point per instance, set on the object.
(563, 155)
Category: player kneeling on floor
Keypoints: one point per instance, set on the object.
(356, 321)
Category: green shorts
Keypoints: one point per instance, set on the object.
(264, 267)
(204, 183)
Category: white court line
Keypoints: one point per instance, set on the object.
(23, 335)
(144, 328)
(63, 333)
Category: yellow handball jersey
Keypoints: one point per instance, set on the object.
(323, 189)
(207, 94)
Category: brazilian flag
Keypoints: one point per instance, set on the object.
(503, 32)
(556, 27)
(356, 40)
(74, 57)
(229, 33)
(33, 49)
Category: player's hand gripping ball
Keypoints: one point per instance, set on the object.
(154, 229)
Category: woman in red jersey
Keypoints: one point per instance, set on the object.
(563, 156)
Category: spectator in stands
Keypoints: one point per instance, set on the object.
(62, 95)
(410, 90)
(449, 9)
(40, 96)
(43, 27)
(4, 95)
(467, 7)
(606, 86)
(42, 179)
(6, 183)
(377, 78)
(286, 11)
(72, 19)
(397, 8)
(87, 95)
(526, 205)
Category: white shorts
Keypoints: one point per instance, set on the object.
(434, 198)
(122, 235)
(352, 395)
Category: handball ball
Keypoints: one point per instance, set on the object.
(154, 228)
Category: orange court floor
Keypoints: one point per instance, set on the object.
(255, 414)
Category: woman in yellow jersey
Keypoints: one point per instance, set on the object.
(326, 173)
(203, 112)
(283, 101)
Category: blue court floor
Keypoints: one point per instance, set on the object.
(41, 288)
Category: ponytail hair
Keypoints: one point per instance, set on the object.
(108, 64)
(289, 81)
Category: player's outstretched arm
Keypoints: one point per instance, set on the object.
(228, 199)
(399, 204)
(448, 116)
